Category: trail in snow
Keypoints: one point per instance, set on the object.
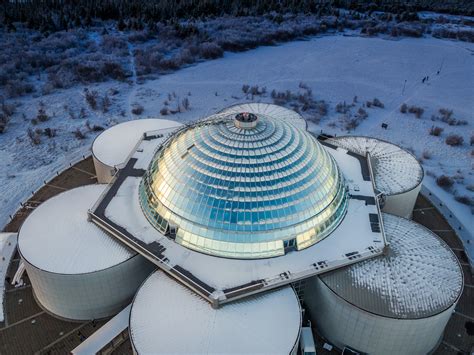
(131, 94)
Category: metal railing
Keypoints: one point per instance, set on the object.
(377, 202)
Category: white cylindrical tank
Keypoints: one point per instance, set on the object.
(398, 303)
(270, 110)
(398, 175)
(112, 147)
(167, 318)
(77, 271)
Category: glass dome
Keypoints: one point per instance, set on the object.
(243, 191)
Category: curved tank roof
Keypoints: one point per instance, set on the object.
(243, 192)
(168, 318)
(113, 145)
(396, 170)
(271, 110)
(58, 238)
(419, 277)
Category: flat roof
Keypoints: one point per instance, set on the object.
(396, 170)
(221, 280)
(113, 145)
(168, 318)
(419, 277)
(57, 236)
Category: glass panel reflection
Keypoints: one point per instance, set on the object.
(241, 193)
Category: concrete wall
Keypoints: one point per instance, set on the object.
(402, 204)
(91, 295)
(104, 172)
(343, 324)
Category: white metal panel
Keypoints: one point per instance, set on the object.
(91, 295)
(402, 204)
(346, 325)
(167, 318)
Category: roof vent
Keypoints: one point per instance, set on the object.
(245, 120)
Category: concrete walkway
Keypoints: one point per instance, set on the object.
(105, 334)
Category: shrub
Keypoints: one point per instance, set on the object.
(82, 113)
(404, 108)
(14, 88)
(210, 50)
(282, 97)
(436, 131)
(377, 103)
(42, 116)
(245, 89)
(8, 109)
(426, 154)
(114, 43)
(88, 72)
(455, 122)
(454, 140)
(342, 107)
(34, 136)
(351, 124)
(185, 103)
(106, 103)
(464, 200)
(257, 91)
(444, 181)
(445, 114)
(94, 128)
(321, 107)
(78, 134)
(164, 111)
(91, 98)
(113, 70)
(49, 132)
(97, 128)
(362, 114)
(303, 86)
(409, 29)
(169, 64)
(137, 109)
(3, 122)
(418, 111)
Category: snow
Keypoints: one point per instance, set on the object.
(396, 171)
(220, 273)
(335, 67)
(104, 335)
(419, 277)
(57, 237)
(7, 247)
(168, 318)
(113, 146)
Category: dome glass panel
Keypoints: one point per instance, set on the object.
(249, 192)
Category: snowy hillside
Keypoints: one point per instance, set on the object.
(335, 68)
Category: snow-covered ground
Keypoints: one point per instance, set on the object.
(336, 68)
